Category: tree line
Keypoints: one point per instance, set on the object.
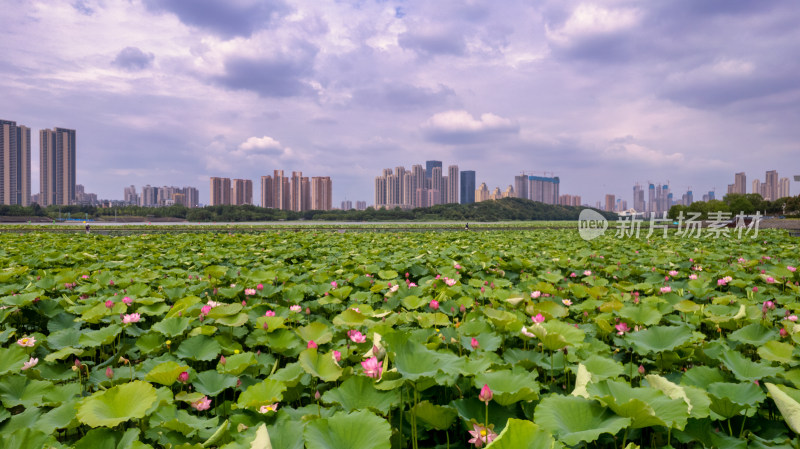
(736, 203)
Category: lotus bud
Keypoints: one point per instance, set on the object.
(485, 394)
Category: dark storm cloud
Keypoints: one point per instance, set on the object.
(223, 17)
(133, 59)
(278, 76)
(438, 42)
(403, 96)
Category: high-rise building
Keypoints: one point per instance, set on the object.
(280, 191)
(452, 184)
(429, 165)
(543, 189)
(130, 196)
(740, 183)
(266, 191)
(482, 193)
(783, 188)
(756, 186)
(148, 198)
(347, 205)
(322, 193)
(638, 198)
(220, 191)
(771, 183)
(380, 192)
(467, 187)
(57, 166)
(361, 205)
(15, 163)
(242, 192)
(521, 183)
(418, 181)
(191, 197)
(651, 198)
(437, 184)
(610, 203)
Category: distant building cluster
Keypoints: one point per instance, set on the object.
(161, 196)
(422, 187)
(537, 188)
(56, 165)
(771, 189)
(296, 193)
(348, 205)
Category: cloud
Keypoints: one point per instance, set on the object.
(281, 75)
(260, 144)
(133, 59)
(403, 96)
(226, 18)
(595, 32)
(460, 126)
(433, 41)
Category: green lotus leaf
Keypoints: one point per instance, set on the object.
(434, 416)
(64, 338)
(107, 438)
(212, 383)
(237, 363)
(746, 369)
(755, 334)
(172, 327)
(488, 341)
(687, 306)
(27, 438)
(12, 359)
(99, 337)
(57, 418)
(641, 314)
(788, 402)
(573, 420)
(166, 373)
(696, 398)
(549, 309)
(320, 365)
(523, 434)
(501, 318)
(471, 408)
(359, 392)
(387, 274)
(603, 367)
(556, 335)
(777, 351)
(702, 376)
(237, 320)
(509, 386)
(414, 302)
(646, 407)
(265, 392)
(349, 318)
(118, 404)
(200, 347)
(187, 397)
(19, 390)
(357, 430)
(731, 399)
(273, 323)
(659, 338)
(316, 331)
(415, 361)
(225, 310)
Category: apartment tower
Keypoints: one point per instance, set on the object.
(57, 166)
(15, 164)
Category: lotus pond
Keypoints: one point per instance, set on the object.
(515, 339)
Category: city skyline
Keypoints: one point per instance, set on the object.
(603, 93)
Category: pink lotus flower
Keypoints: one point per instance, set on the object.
(30, 363)
(693, 276)
(486, 394)
(260, 287)
(202, 404)
(791, 268)
(269, 313)
(481, 435)
(539, 318)
(673, 273)
(205, 309)
(566, 302)
(450, 282)
(666, 289)
(536, 294)
(128, 301)
(110, 372)
(356, 336)
(249, 291)
(109, 303)
(311, 344)
(742, 260)
(572, 275)
(456, 266)
(222, 360)
(295, 308)
(85, 276)
(334, 284)
(268, 408)
(411, 284)
(183, 377)
(371, 367)
(337, 356)
(755, 289)
(783, 333)
(622, 328)
(131, 318)
(641, 369)
(768, 305)
(434, 304)
(792, 318)
(527, 333)
(474, 343)
(27, 342)
(770, 280)
(587, 273)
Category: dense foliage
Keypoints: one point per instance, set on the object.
(376, 340)
(734, 204)
(505, 209)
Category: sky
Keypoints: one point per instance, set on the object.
(602, 94)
